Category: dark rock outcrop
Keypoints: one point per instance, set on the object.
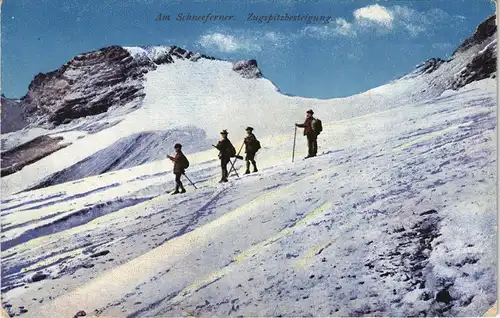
(483, 65)
(38, 277)
(484, 31)
(87, 85)
(13, 115)
(15, 159)
(247, 69)
(429, 66)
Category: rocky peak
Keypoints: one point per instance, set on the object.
(151, 56)
(484, 30)
(91, 83)
(88, 84)
(247, 69)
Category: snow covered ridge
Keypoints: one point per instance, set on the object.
(102, 96)
(93, 82)
(112, 77)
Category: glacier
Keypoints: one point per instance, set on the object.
(395, 217)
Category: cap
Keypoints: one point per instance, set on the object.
(177, 146)
(249, 128)
(310, 111)
(224, 132)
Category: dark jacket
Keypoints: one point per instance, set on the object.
(250, 144)
(307, 125)
(225, 147)
(179, 163)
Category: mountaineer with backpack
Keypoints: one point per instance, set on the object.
(312, 128)
(181, 163)
(226, 152)
(252, 145)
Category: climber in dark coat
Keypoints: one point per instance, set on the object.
(226, 151)
(180, 163)
(251, 148)
(312, 137)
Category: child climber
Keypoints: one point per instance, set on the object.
(180, 165)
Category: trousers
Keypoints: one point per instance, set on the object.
(312, 144)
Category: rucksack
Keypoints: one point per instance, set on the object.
(257, 145)
(231, 150)
(186, 163)
(317, 126)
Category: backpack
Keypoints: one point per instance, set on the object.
(317, 126)
(257, 145)
(186, 163)
(231, 151)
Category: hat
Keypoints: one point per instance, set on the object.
(177, 146)
(249, 128)
(310, 111)
(224, 132)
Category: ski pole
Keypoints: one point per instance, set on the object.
(190, 181)
(236, 158)
(294, 137)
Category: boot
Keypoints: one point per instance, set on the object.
(255, 167)
(176, 190)
(183, 190)
(248, 168)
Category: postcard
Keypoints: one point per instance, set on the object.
(261, 158)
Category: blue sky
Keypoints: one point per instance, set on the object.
(364, 45)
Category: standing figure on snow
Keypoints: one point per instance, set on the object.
(252, 145)
(312, 128)
(226, 151)
(181, 163)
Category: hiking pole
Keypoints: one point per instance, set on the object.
(232, 169)
(294, 137)
(236, 158)
(190, 181)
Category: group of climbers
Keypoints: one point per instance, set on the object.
(312, 128)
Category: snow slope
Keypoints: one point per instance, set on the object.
(374, 226)
(208, 94)
(395, 217)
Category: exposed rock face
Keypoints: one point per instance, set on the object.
(89, 84)
(13, 115)
(15, 159)
(482, 33)
(477, 54)
(429, 66)
(247, 69)
(483, 65)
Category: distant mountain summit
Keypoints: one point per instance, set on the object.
(112, 78)
(93, 82)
